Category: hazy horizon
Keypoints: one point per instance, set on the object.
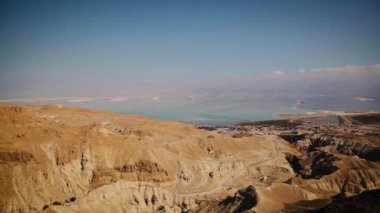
(120, 48)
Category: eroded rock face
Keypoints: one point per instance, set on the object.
(16, 156)
(242, 201)
(366, 202)
(343, 145)
(372, 154)
(292, 138)
(315, 164)
(142, 166)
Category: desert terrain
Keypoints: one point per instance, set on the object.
(64, 159)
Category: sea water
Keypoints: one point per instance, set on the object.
(213, 111)
(205, 111)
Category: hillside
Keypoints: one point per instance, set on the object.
(65, 159)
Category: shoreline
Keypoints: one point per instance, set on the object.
(326, 114)
(303, 114)
(341, 118)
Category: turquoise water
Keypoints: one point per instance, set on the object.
(200, 112)
(205, 111)
(220, 111)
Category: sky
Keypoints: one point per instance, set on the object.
(101, 48)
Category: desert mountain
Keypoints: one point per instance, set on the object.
(65, 159)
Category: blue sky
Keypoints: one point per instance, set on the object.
(74, 48)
